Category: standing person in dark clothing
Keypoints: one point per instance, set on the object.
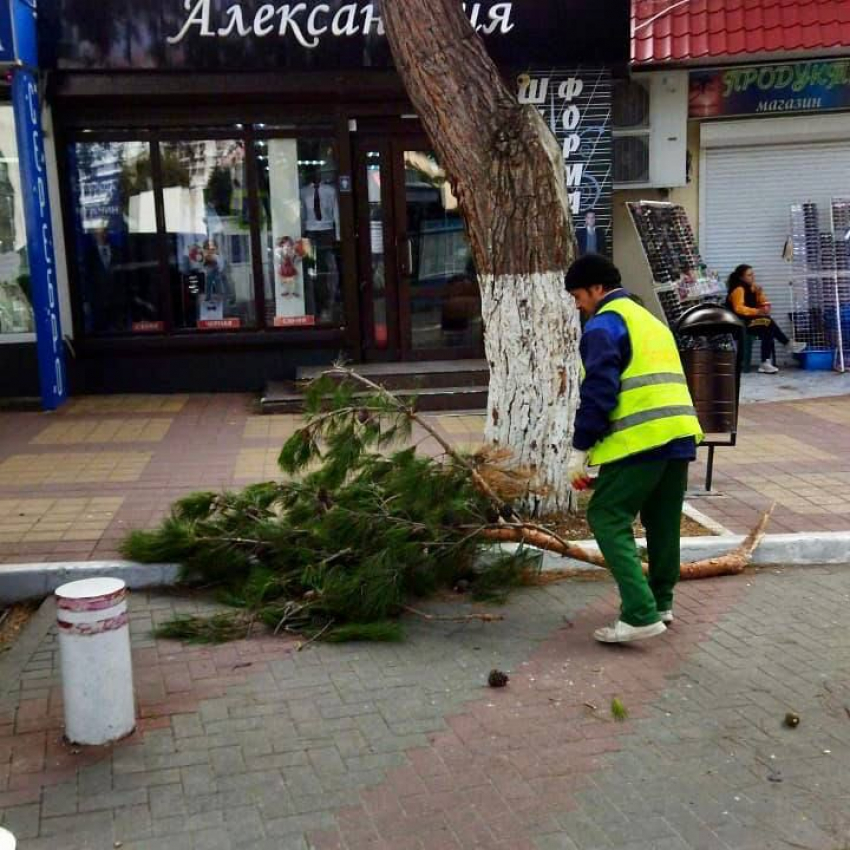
(108, 303)
(747, 300)
(637, 422)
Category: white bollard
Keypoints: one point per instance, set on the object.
(7, 840)
(97, 670)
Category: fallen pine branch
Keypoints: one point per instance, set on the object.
(317, 636)
(540, 538)
(731, 563)
(734, 562)
(410, 412)
(466, 618)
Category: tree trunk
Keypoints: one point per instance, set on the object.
(507, 171)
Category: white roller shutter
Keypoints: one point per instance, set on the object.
(746, 194)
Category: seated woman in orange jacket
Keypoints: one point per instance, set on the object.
(748, 301)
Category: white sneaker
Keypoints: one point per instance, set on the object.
(797, 347)
(622, 632)
(666, 617)
(767, 368)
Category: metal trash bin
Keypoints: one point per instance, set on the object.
(713, 370)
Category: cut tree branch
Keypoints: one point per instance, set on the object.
(467, 618)
(731, 563)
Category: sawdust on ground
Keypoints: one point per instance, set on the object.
(574, 527)
(12, 621)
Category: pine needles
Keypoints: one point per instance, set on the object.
(217, 628)
(336, 551)
(618, 710)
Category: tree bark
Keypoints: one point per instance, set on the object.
(730, 563)
(507, 172)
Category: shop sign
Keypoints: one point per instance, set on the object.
(311, 34)
(576, 104)
(310, 26)
(45, 297)
(770, 89)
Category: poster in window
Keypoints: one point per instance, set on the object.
(576, 104)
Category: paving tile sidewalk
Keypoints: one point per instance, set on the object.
(257, 745)
(73, 483)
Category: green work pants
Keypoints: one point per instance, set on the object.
(656, 490)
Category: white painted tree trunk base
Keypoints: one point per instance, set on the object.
(531, 339)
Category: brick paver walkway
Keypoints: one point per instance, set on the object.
(402, 747)
(73, 483)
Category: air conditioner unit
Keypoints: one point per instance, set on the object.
(650, 130)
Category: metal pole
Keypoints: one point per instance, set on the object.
(709, 472)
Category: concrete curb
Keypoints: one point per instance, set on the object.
(19, 582)
(705, 521)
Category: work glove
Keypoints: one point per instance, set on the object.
(577, 470)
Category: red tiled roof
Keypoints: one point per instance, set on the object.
(702, 30)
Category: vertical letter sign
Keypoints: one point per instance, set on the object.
(51, 357)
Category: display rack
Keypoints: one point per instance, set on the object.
(680, 278)
(820, 281)
(840, 223)
(680, 281)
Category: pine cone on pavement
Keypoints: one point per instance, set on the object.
(497, 679)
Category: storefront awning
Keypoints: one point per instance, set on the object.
(705, 31)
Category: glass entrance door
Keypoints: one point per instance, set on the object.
(420, 296)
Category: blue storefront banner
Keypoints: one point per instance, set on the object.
(45, 300)
(17, 32)
(770, 89)
(7, 34)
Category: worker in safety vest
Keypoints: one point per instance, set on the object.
(637, 422)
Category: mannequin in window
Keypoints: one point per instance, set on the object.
(215, 276)
(320, 223)
(109, 308)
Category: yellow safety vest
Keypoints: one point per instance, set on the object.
(654, 405)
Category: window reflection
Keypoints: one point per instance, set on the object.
(206, 222)
(115, 229)
(445, 298)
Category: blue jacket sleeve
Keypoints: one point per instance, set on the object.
(605, 352)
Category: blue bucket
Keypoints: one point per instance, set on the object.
(816, 361)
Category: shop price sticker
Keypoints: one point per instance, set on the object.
(294, 321)
(219, 324)
(148, 327)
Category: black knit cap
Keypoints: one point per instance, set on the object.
(591, 269)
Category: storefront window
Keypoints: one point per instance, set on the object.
(15, 306)
(300, 231)
(207, 226)
(115, 226)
